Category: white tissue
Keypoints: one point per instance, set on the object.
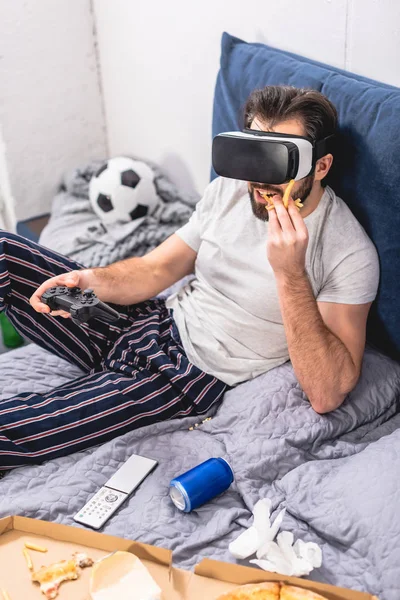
(282, 556)
(259, 533)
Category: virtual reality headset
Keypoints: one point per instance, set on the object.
(263, 157)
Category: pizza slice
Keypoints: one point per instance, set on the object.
(290, 592)
(254, 591)
(50, 578)
(270, 591)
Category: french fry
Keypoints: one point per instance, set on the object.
(5, 595)
(28, 559)
(35, 548)
(268, 206)
(285, 198)
(286, 195)
(299, 204)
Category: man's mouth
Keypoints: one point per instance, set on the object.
(264, 197)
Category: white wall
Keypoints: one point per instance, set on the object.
(51, 112)
(159, 61)
(8, 219)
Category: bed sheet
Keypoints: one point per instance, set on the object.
(337, 474)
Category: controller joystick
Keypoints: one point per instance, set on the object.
(82, 306)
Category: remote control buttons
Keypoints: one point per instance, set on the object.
(88, 293)
(111, 498)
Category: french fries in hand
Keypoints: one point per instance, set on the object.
(299, 203)
(287, 193)
(286, 197)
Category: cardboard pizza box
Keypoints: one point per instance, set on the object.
(210, 578)
(212, 573)
(62, 541)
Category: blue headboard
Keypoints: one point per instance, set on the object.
(366, 173)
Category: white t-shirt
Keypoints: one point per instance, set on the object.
(228, 316)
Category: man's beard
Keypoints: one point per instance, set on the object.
(260, 211)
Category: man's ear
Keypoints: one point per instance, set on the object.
(322, 167)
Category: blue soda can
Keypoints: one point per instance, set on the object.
(202, 483)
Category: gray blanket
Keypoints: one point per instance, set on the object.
(337, 474)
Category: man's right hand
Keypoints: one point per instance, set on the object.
(70, 279)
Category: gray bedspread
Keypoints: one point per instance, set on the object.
(337, 474)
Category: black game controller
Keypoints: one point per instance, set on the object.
(81, 305)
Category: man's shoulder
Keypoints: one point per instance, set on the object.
(350, 264)
(226, 189)
(341, 222)
(338, 208)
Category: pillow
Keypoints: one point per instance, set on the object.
(366, 173)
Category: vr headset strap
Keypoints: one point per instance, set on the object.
(323, 147)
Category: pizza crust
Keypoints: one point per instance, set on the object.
(270, 591)
(254, 591)
(290, 592)
(50, 578)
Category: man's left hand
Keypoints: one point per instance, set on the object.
(287, 240)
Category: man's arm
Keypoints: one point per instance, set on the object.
(326, 340)
(129, 281)
(139, 278)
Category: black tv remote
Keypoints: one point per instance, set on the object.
(82, 305)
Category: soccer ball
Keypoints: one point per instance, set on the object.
(123, 190)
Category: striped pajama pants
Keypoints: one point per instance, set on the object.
(135, 370)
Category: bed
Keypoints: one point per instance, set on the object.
(336, 474)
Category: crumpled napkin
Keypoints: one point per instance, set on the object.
(283, 556)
